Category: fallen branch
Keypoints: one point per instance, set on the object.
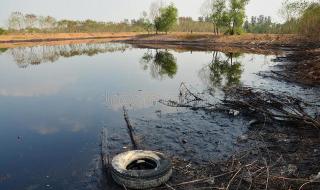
(130, 129)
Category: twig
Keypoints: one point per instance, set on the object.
(234, 176)
(294, 179)
(268, 173)
(189, 91)
(169, 186)
(203, 179)
(305, 185)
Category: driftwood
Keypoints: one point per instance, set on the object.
(105, 154)
(130, 129)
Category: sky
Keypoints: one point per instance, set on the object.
(117, 10)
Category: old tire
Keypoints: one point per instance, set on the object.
(141, 179)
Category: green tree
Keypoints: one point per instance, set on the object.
(236, 15)
(146, 23)
(167, 19)
(214, 10)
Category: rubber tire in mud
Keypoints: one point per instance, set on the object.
(141, 179)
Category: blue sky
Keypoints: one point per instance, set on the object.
(116, 10)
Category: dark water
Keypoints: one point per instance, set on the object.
(54, 100)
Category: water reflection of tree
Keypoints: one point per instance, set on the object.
(2, 50)
(222, 71)
(25, 56)
(161, 64)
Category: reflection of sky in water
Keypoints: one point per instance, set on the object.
(51, 113)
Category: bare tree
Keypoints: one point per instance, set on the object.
(16, 21)
(30, 20)
(155, 9)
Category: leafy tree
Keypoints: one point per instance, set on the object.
(215, 10)
(167, 19)
(236, 15)
(261, 24)
(145, 22)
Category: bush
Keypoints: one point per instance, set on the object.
(2, 31)
(309, 24)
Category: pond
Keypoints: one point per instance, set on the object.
(55, 100)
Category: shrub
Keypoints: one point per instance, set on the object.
(2, 31)
(309, 23)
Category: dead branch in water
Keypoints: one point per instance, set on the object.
(256, 103)
(130, 129)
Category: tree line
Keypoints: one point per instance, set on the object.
(161, 18)
(219, 17)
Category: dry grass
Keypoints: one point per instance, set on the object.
(14, 40)
(41, 36)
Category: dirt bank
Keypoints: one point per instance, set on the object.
(300, 67)
(196, 39)
(17, 40)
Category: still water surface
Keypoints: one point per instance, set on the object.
(54, 100)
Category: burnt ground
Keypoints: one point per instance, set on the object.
(301, 67)
(255, 154)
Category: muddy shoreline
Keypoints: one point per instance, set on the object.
(276, 155)
(204, 40)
